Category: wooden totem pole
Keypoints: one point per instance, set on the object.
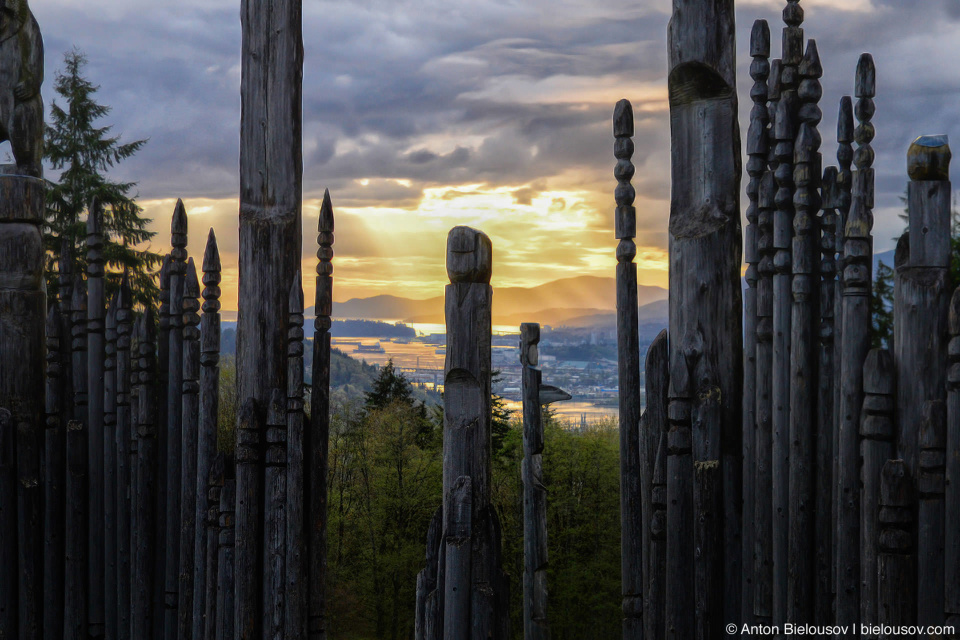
(535, 395)
(706, 334)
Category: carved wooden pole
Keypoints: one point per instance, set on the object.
(125, 464)
(653, 430)
(705, 240)
(77, 523)
(271, 169)
(147, 618)
(111, 556)
(205, 551)
(459, 575)
(54, 485)
(785, 134)
(248, 536)
(952, 470)
(844, 199)
(134, 446)
(212, 532)
(190, 419)
(8, 524)
(173, 461)
(757, 149)
(930, 514)
(535, 395)
(858, 248)
(804, 345)
(679, 591)
(226, 555)
(274, 514)
(296, 591)
(876, 447)
(823, 598)
(762, 604)
(896, 564)
(628, 356)
(317, 435)
(95, 427)
(163, 391)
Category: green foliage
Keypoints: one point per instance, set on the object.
(84, 152)
(500, 420)
(390, 386)
(881, 308)
(227, 414)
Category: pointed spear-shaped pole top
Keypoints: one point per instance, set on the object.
(326, 213)
(178, 225)
(211, 254)
(94, 218)
(810, 66)
(191, 284)
(295, 300)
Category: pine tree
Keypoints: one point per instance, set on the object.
(881, 307)
(84, 152)
(390, 386)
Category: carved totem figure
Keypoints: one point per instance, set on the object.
(21, 74)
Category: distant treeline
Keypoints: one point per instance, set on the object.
(370, 329)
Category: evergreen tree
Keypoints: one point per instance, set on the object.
(500, 420)
(881, 308)
(390, 386)
(84, 152)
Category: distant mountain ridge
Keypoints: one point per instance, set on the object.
(551, 303)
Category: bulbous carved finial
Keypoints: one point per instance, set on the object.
(469, 256)
(929, 158)
(529, 339)
(793, 13)
(323, 298)
(211, 275)
(626, 216)
(295, 325)
(760, 39)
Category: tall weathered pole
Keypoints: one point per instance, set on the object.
(705, 243)
(226, 555)
(8, 524)
(126, 468)
(190, 427)
(628, 358)
(54, 482)
(173, 461)
(679, 588)
(274, 518)
(896, 599)
(921, 307)
(952, 470)
(111, 556)
(858, 249)
(296, 552)
(95, 347)
(248, 540)
(204, 569)
(653, 432)
(317, 433)
(758, 146)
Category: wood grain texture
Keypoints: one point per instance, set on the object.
(226, 557)
(274, 518)
(896, 563)
(110, 540)
(705, 240)
(951, 555)
(248, 531)
(679, 591)
(126, 464)
(190, 426)
(296, 547)
(54, 480)
(930, 513)
(654, 426)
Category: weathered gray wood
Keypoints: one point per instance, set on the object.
(856, 342)
(126, 465)
(295, 603)
(844, 199)
(679, 590)
(707, 504)
(111, 558)
(205, 548)
(930, 514)
(763, 498)
(804, 345)
(317, 434)
(208, 629)
(274, 518)
(628, 358)
(248, 533)
(654, 425)
(147, 617)
(54, 484)
(466, 431)
(226, 557)
(8, 525)
(876, 447)
(76, 561)
(535, 625)
(163, 391)
(190, 418)
(428, 617)
(705, 237)
(21, 118)
(758, 146)
(95, 427)
(271, 170)
(134, 447)
(173, 462)
(951, 555)
(458, 588)
(896, 565)
(826, 364)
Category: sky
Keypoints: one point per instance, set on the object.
(420, 115)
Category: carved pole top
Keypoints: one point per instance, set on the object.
(529, 339)
(150, 326)
(760, 39)
(469, 256)
(178, 226)
(191, 284)
(928, 158)
(79, 302)
(295, 299)
(845, 120)
(124, 300)
(94, 219)
(53, 321)
(866, 85)
(810, 66)
(879, 373)
(793, 13)
(110, 323)
(623, 119)
(326, 213)
(830, 195)
(773, 82)
(211, 254)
